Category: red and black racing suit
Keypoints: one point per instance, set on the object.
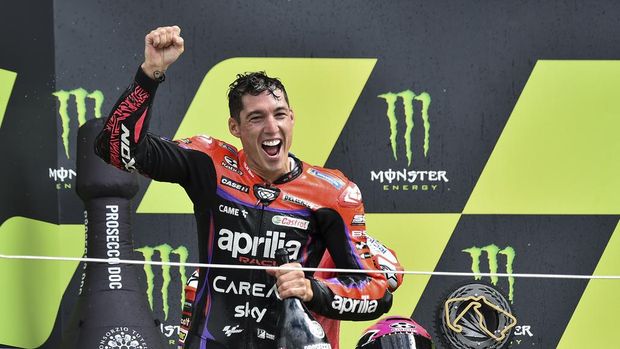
(243, 220)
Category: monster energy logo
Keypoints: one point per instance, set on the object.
(165, 251)
(492, 252)
(80, 95)
(407, 98)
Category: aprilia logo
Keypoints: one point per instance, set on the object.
(492, 252)
(407, 98)
(244, 244)
(359, 306)
(80, 95)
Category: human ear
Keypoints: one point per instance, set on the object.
(233, 127)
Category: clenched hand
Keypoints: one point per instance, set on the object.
(162, 47)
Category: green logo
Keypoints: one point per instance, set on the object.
(407, 98)
(165, 252)
(492, 251)
(79, 95)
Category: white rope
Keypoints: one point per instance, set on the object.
(332, 270)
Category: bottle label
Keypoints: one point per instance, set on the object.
(316, 329)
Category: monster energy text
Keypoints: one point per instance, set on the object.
(61, 174)
(492, 252)
(80, 96)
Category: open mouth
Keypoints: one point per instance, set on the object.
(272, 147)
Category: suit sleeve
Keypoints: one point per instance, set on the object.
(125, 143)
(354, 296)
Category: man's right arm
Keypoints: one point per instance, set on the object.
(124, 142)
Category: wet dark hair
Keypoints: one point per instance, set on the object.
(253, 83)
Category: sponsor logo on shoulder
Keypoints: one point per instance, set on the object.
(231, 165)
(351, 196)
(334, 181)
(235, 185)
(300, 202)
(290, 222)
(359, 219)
(228, 147)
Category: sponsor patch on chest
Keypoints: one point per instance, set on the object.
(290, 222)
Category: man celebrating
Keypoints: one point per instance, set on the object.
(248, 203)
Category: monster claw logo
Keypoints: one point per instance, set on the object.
(80, 96)
(407, 98)
(492, 252)
(165, 251)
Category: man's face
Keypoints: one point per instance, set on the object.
(265, 128)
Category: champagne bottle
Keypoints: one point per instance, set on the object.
(297, 327)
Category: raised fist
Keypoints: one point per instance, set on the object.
(162, 47)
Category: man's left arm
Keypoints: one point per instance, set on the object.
(353, 296)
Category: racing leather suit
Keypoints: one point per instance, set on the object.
(315, 213)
